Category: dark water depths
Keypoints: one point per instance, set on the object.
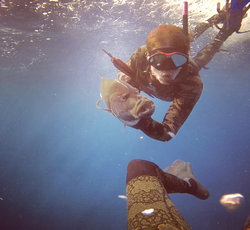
(63, 162)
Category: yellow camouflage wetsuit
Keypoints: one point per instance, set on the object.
(147, 189)
(186, 90)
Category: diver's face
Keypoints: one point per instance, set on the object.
(165, 77)
(166, 64)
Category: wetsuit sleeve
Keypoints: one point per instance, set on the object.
(177, 113)
(183, 103)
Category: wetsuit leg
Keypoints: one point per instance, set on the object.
(231, 24)
(145, 190)
(203, 26)
(207, 53)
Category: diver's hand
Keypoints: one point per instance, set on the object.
(154, 129)
(143, 123)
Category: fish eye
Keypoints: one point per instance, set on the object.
(124, 97)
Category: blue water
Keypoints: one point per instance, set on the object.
(63, 162)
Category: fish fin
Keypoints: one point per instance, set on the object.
(124, 126)
(98, 106)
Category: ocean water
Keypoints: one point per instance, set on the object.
(63, 162)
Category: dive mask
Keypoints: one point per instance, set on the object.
(167, 61)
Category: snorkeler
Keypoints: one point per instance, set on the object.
(163, 69)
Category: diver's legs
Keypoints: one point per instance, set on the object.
(203, 26)
(231, 18)
(208, 52)
(145, 191)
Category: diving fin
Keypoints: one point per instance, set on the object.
(183, 170)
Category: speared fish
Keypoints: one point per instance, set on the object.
(124, 101)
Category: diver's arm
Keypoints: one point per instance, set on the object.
(177, 113)
(155, 130)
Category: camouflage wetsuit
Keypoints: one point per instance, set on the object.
(186, 90)
(147, 188)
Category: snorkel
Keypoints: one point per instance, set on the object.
(185, 18)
